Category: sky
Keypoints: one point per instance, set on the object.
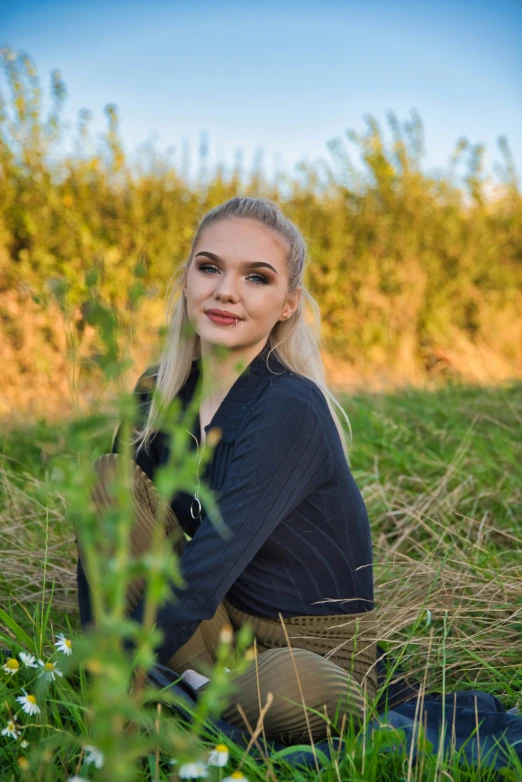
(284, 77)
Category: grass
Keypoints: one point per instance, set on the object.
(441, 475)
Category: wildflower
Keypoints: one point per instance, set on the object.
(49, 670)
(93, 665)
(28, 660)
(11, 666)
(226, 635)
(218, 756)
(93, 756)
(28, 703)
(235, 776)
(24, 744)
(77, 779)
(63, 644)
(23, 763)
(11, 730)
(195, 770)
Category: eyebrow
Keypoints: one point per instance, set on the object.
(244, 264)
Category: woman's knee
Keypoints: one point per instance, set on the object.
(293, 677)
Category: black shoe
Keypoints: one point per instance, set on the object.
(162, 677)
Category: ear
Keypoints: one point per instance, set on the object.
(291, 304)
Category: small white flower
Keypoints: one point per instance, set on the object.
(29, 704)
(11, 729)
(218, 756)
(63, 644)
(93, 756)
(11, 666)
(195, 770)
(77, 779)
(49, 670)
(236, 776)
(24, 744)
(28, 660)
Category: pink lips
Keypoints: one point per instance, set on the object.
(221, 320)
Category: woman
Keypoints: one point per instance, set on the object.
(300, 537)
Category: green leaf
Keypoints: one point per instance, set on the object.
(305, 748)
(20, 634)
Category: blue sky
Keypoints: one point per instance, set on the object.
(286, 77)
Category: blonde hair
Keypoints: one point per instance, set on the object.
(293, 341)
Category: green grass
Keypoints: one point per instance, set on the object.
(441, 474)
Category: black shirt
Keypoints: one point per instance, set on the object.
(300, 531)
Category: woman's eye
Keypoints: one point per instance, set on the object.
(259, 278)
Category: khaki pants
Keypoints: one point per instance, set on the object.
(332, 658)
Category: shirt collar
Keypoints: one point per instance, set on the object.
(244, 391)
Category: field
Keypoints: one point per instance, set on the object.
(441, 474)
(418, 281)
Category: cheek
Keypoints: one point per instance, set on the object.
(264, 304)
(198, 285)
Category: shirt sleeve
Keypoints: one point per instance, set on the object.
(281, 456)
(84, 597)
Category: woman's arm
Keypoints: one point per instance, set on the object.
(281, 456)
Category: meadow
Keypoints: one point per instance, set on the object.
(441, 474)
(419, 283)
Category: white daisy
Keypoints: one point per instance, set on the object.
(11, 729)
(28, 660)
(218, 756)
(93, 756)
(24, 744)
(49, 670)
(63, 644)
(11, 666)
(29, 704)
(195, 770)
(236, 776)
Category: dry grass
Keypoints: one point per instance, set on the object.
(431, 560)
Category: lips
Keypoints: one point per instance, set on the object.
(222, 320)
(223, 314)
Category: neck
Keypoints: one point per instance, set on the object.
(221, 368)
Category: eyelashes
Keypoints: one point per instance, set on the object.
(260, 278)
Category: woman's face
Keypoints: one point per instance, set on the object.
(238, 266)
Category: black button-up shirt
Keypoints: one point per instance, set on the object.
(300, 531)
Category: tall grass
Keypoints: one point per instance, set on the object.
(441, 475)
(419, 277)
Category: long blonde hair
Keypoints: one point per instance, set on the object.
(293, 341)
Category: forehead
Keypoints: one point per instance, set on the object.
(242, 239)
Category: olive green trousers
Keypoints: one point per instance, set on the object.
(327, 663)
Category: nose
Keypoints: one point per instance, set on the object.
(226, 288)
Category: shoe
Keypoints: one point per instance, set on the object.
(187, 696)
